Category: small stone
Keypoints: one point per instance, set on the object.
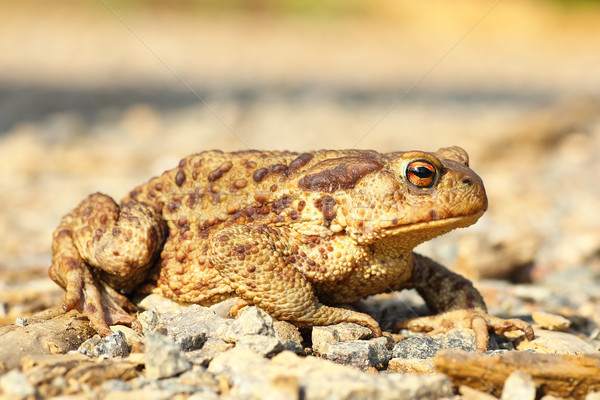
(266, 346)
(192, 327)
(244, 370)
(131, 336)
(551, 322)
(164, 358)
(251, 320)
(216, 344)
(518, 385)
(323, 336)
(20, 321)
(553, 342)
(428, 346)
(114, 345)
(15, 385)
(416, 347)
(150, 321)
(417, 366)
(360, 353)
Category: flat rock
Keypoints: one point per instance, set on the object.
(50, 332)
(551, 322)
(360, 353)
(417, 366)
(323, 336)
(553, 342)
(321, 379)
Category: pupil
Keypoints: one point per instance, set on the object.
(422, 172)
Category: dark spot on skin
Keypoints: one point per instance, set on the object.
(260, 174)
(180, 177)
(182, 163)
(278, 168)
(347, 172)
(433, 215)
(301, 205)
(173, 205)
(300, 161)
(195, 197)
(218, 172)
(195, 174)
(326, 205)
(260, 198)
(281, 204)
(251, 164)
(158, 186)
(103, 219)
(273, 188)
(64, 233)
(240, 183)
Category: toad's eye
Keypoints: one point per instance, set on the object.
(421, 173)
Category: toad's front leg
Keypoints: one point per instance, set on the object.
(457, 303)
(98, 247)
(262, 264)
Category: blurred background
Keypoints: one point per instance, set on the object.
(102, 95)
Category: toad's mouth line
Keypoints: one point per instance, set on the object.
(459, 221)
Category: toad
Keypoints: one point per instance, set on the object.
(294, 234)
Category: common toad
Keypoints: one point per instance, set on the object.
(293, 234)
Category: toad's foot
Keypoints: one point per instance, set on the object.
(101, 304)
(476, 319)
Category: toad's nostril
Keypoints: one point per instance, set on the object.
(467, 181)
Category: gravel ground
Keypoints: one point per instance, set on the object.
(96, 100)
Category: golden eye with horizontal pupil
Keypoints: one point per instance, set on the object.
(421, 173)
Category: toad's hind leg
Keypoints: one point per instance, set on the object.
(256, 262)
(99, 244)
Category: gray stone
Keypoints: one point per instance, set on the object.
(191, 327)
(266, 346)
(114, 345)
(518, 385)
(323, 336)
(428, 346)
(151, 321)
(15, 385)
(20, 321)
(290, 335)
(164, 358)
(245, 371)
(251, 320)
(360, 353)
